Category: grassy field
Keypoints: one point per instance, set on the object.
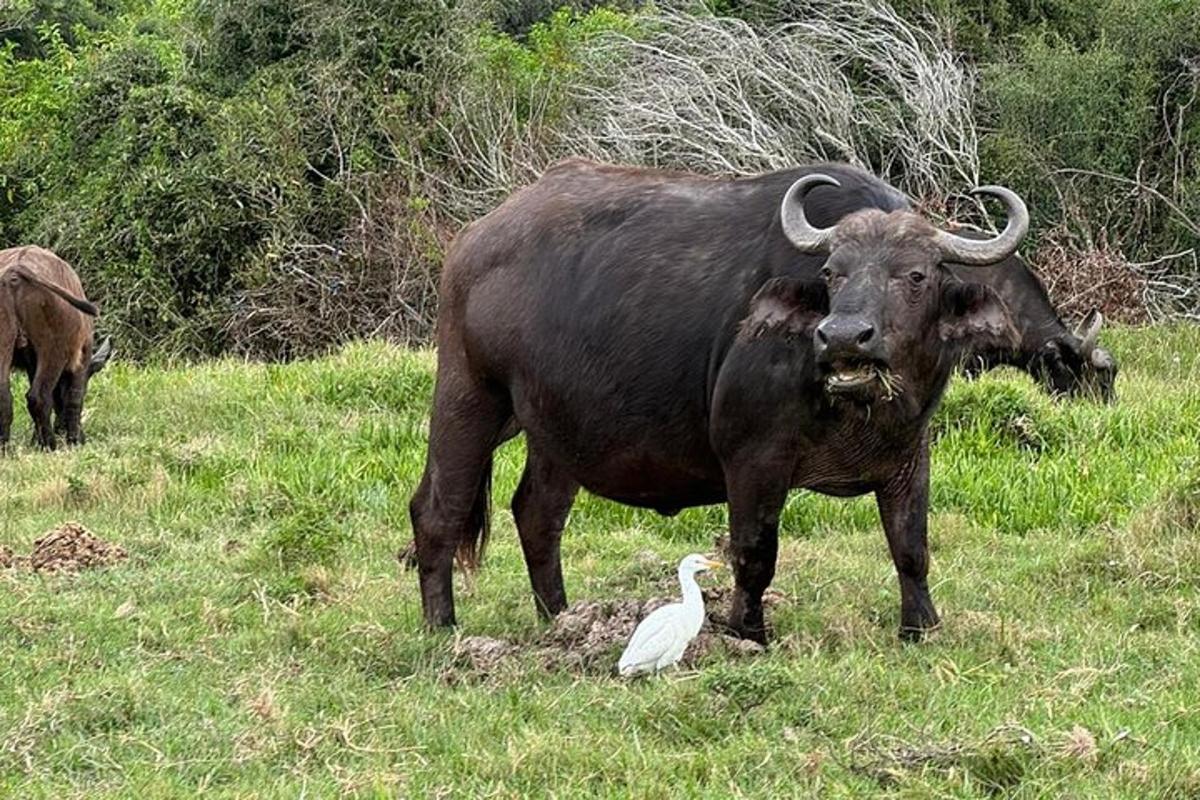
(261, 640)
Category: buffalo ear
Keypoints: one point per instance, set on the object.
(975, 316)
(789, 306)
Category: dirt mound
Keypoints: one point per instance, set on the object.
(71, 548)
(482, 653)
(7, 557)
(585, 635)
(589, 636)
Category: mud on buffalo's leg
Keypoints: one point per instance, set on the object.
(450, 507)
(540, 507)
(756, 496)
(68, 403)
(40, 401)
(904, 511)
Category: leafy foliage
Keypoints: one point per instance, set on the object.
(274, 176)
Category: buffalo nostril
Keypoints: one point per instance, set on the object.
(822, 337)
(865, 335)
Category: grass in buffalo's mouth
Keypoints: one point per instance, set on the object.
(261, 640)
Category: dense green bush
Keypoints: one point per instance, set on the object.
(1080, 113)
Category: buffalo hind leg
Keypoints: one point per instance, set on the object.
(449, 511)
(540, 507)
(756, 499)
(40, 401)
(904, 511)
(407, 555)
(6, 402)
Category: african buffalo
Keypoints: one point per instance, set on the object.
(25, 359)
(1063, 362)
(669, 340)
(46, 322)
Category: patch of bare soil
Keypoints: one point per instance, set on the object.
(482, 653)
(72, 548)
(589, 636)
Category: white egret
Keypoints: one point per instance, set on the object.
(660, 639)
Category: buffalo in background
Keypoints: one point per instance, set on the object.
(1063, 362)
(45, 328)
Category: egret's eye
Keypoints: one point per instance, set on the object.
(916, 276)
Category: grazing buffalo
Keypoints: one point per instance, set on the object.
(26, 359)
(46, 325)
(668, 340)
(1063, 363)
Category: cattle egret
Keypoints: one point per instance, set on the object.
(660, 639)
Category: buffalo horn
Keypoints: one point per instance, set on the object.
(796, 226)
(989, 251)
(1088, 331)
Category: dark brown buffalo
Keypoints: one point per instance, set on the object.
(667, 340)
(46, 323)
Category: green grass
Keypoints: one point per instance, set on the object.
(261, 641)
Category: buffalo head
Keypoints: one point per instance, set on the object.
(1073, 365)
(895, 314)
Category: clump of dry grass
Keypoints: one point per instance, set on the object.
(1080, 279)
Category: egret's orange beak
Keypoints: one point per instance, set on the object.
(713, 564)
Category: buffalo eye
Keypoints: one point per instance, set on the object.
(826, 273)
(917, 277)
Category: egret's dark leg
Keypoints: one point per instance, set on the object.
(540, 507)
(904, 510)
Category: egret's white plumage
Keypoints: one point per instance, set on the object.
(660, 639)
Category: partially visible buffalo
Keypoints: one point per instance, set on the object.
(46, 326)
(1063, 362)
(26, 359)
(669, 340)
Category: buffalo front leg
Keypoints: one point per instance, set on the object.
(60, 405)
(540, 507)
(68, 404)
(904, 510)
(450, 509)
(755, 502)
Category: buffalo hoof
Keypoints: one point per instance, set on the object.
(742, 630)
(919, 625)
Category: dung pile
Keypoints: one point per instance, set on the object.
(7, 558)
(72, 548)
